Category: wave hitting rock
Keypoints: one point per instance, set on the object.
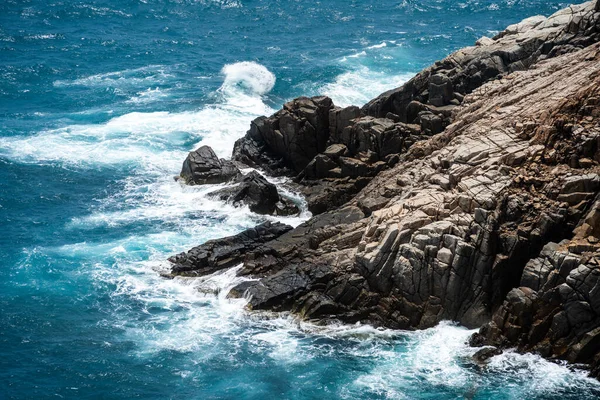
(471, 193)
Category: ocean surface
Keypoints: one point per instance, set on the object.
(100, 101)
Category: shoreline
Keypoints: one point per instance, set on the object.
(470, 193)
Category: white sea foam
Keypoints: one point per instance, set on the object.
(151, 139)
(441, 357)
(360, 85)
(182, 314)
(248, 76)
(149, 95)
(359, 54)
(543, 377)
(221, 3)
(379, 46)
(44, 36)
(168, 202)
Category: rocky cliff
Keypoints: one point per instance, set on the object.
(471, 193)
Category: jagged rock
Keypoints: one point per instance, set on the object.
(339, 119)
(516, 48)
(486, 353)
(581, 184)
(382, 136)
(260, 195)
(327, 194)
(440, 90)
(321, 167)
(290, 138)
(431, 123)
(489, 222)
(224, 253)
(202, 166)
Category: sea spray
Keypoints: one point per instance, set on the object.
(101, 104)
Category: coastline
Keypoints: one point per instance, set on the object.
(468, 194)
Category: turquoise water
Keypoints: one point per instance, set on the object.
(99, 104)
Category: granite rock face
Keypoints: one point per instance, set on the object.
(471, 193)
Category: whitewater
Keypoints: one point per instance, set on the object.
(99, 106)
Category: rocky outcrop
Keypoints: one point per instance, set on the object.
(293, 140)
(439, 88)
(555, 310)
(286, 141)
(219, 254)
(202, 166)
(472, 194)
(258, 194)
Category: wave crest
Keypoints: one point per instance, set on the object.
(248, 76)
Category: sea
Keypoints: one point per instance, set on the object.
(100, 102)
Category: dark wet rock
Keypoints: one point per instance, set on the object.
(202, 166)
(255, 153)
(290, 138)
(483, 355)
(260, 195)
(381, 136)
(440, 90)
(219, 254)
(431, 123)
(339, 119)
(327, 194)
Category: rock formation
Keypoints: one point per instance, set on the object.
(215, 255)
(471, 193)
(287, 140)
(260, 195)
(202, 166)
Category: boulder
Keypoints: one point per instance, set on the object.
(431, 123)
(381, 136)
(202, 166)
(440, 90)
(340, 118)
(260, 195)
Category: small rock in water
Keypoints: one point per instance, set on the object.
(486, 353)
(260, 195)
(202, 166)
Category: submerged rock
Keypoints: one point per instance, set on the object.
(483, 355)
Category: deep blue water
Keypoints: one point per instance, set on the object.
(100, 102)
